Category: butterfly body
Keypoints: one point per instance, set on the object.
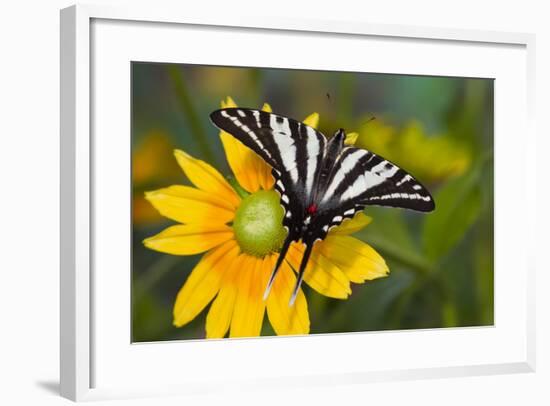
(321, 181)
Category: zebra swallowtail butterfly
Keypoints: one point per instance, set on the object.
(321, 181)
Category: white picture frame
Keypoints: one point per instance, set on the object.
(79, 184)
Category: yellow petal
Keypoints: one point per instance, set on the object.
(352, 225)
(266, 178)
(143, 212)
(186, 204)
(286, 319)
(351, 138)
(251, 171)
(245, 163)
(189, 239)
(228, 102)
(203, 283)
(249, 304)
(312, 120)
(206, 178)
(358, 260)
(322, 275)
(221, 311)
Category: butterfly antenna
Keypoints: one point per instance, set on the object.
(303, 265)
(369, 120)
(282, 255)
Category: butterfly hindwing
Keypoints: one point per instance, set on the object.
(361, 178)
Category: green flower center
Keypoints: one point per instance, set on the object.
(258, 223)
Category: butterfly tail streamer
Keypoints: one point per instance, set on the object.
(282, 254)
(303, 264)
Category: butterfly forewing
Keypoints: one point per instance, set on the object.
(293, 149)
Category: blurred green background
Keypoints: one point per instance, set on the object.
(438, 128)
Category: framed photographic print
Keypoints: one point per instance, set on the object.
(347, 215)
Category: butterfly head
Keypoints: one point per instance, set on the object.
(339, 137)
(335, 145)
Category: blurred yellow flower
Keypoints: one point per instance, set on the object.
(435, 158)
(149, 166)
(240, 231)
(147, 157)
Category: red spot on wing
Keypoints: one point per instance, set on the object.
(312, 209)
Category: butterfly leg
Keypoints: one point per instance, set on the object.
(303, 264)
(282, 255)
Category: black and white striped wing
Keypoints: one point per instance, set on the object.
(293, 149)
(361, 178)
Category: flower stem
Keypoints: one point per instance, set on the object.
(392, 251)
(186, 104)
(238, 188)
(152, 276)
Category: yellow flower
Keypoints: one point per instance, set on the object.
(435, 159)
(241, 234)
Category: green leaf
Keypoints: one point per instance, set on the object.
(458, 205)
(389, 224)
(369, 307)
(390, 236)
